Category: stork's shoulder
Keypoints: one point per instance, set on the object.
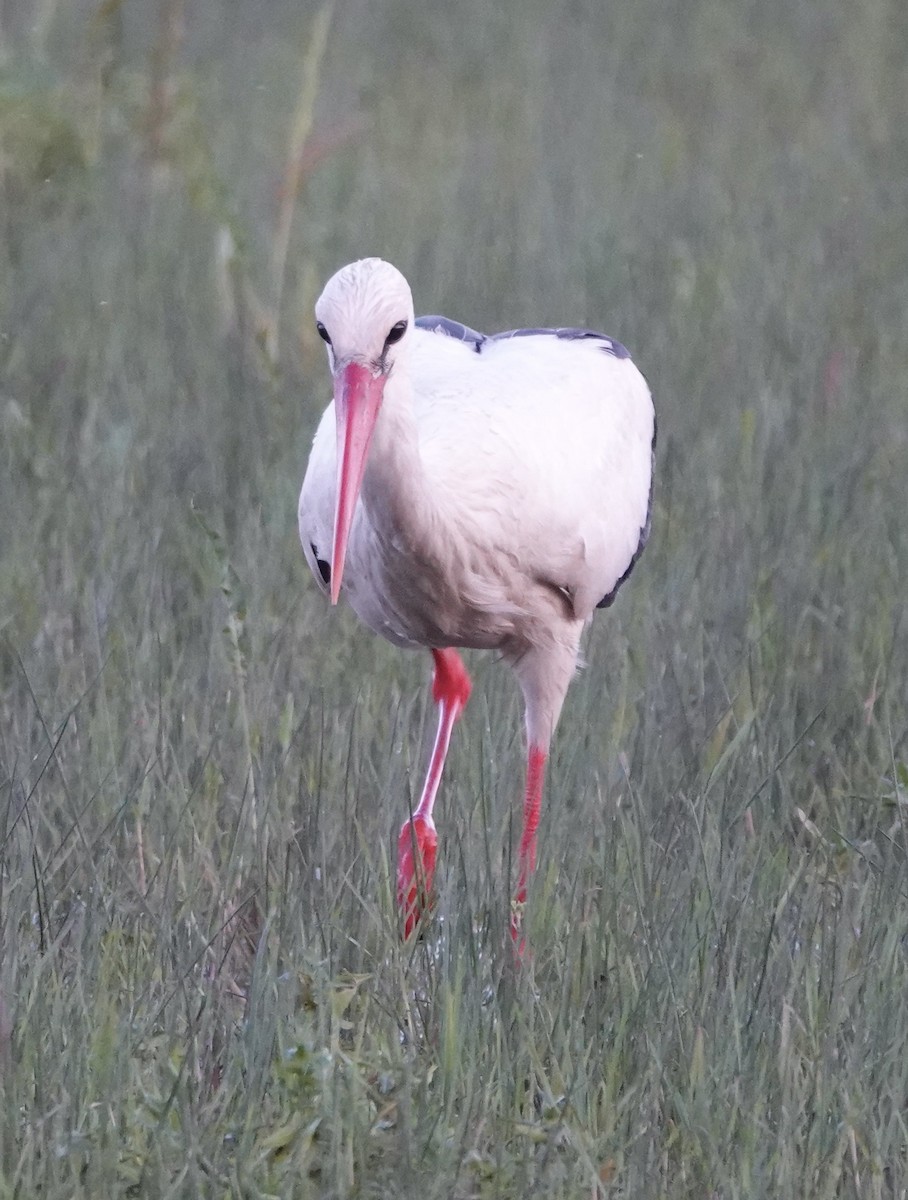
(541, 377)
(525, 366)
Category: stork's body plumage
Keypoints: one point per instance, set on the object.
(489, 493)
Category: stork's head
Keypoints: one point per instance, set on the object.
(364, 315)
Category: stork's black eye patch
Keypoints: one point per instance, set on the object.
(323, 332)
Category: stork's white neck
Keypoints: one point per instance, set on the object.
(395, 490)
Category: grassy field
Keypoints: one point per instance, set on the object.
(203, 769)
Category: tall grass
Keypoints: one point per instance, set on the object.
(202, 769)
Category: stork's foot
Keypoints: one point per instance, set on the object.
(416, 850)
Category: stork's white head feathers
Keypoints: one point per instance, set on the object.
(366, 311)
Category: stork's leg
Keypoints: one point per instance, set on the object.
(544, 672)
(418, 841)
(526, 858)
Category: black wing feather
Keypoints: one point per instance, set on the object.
(464, 333)
(608, 600)
(324, 568)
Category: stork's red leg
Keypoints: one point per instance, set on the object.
(536, 760)
(418, 841)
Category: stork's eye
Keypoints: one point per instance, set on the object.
(397, 332)
(323, 332)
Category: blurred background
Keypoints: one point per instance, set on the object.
(722, 185)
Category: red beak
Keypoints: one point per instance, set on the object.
(357, 399)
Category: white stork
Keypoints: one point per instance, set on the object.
(473, 491)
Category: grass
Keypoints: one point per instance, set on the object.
(203, 770)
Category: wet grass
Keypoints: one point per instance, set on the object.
(203, 770)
